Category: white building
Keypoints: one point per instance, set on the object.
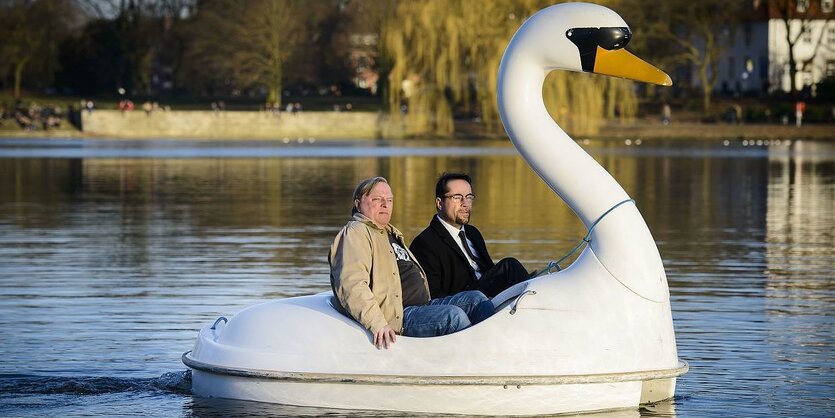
(757, 56)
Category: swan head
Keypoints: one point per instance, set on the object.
(582, 37)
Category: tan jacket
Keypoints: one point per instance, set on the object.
(364, 274)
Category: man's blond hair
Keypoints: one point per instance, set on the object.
(364, 188)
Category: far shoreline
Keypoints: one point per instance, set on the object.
(365, 126)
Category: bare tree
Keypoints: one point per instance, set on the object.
(178, 9)
(248, 43)
(98, 8)
(698, 33)
(789, 12)
(31, 32)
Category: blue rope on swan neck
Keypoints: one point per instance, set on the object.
(586, 240)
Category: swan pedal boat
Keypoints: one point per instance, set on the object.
(595, 336)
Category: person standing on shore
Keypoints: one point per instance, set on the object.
(666, 113)
(799, 109)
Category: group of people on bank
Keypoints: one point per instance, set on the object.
(439, 285)
(32, 117)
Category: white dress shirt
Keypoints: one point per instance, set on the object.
(453, 231)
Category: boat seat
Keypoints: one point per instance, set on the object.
(334, 302)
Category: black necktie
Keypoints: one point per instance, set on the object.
(475, 258)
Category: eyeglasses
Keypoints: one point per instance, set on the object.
(379, 200)
(458, 197)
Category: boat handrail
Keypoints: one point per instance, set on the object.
(585, 240)
(217, 321)
(519, 298)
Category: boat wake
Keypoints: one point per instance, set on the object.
(173, 382)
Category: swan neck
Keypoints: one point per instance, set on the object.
(567, 169)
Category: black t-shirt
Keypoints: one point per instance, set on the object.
(412, 283)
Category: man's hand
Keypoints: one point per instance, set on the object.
(385, 337)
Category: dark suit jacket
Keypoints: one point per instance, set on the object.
(446, 266)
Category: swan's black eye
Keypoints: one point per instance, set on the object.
(588, 39)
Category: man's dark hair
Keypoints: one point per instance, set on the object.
(440, 187)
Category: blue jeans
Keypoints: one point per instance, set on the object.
(446, 315)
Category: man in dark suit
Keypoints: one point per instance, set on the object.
(452, 252)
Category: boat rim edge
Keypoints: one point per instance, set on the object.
(376, 379)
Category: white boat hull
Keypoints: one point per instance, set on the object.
(426, 396)
(283, 352)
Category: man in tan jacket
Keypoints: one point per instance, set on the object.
(380, 284)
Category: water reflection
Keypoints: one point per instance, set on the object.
(800, 285)
(114, 263)
(226, 408)
(801, 212)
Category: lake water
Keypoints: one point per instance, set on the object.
(114, 253)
